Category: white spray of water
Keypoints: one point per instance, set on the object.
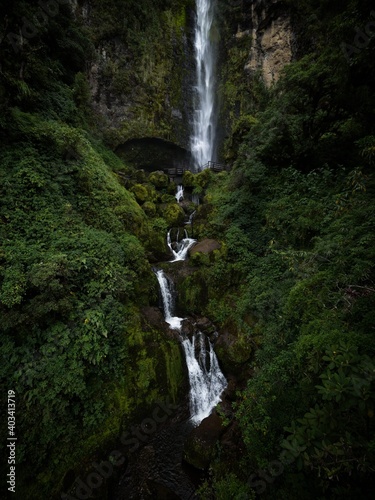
(179, 193)
(182, 246)
(206, 379)
(168, 306)
(203, 138)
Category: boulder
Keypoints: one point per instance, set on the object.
(153, 318)
(159, 179)
(173, 214)
(149, 208)
(140, 192)
(201, 443)
(234, 351)
(204, 325)
(205, 246)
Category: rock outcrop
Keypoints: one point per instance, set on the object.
(271, 39)
(141, 74)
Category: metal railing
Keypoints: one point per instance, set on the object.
(212, 165)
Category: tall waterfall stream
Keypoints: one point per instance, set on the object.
(204, 126)
(158, 470)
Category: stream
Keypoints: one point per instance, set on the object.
(158, 470)
(206, 379)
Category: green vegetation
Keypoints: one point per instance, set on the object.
(291, 288)
(74, 270)
(297, 282)
(142, 47)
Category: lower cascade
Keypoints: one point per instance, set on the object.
(182, 246)
(206, 379)
(207, 382)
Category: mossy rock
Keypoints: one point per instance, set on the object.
(153, 194)
(159, 179)
(205, 246)
(233, 350)
(150, 208)
(140, 176)
(202, 179)
(200, 259)
(188, 179)
(173, 214)
(192, 294)
(155, 245)
(140, 192)
(206, 252)
(201, 444)
(168, 198)
(172, 188)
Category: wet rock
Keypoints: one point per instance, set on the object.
(187, 328)
(205, 326)
(200, 445)
(153, 318)
(230, 391)
(232, 444)
(205, 246)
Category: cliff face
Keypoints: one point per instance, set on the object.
(271, 40)
(141, 78)
(256, 43)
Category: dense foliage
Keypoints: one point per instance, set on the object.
(297, 214)
(293, 282)
(73, 271)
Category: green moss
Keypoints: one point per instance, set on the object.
(159, 179)
(173, 214)
(188, 179)
(149, 208)
(193, 293)
(200, 259)
(168, 198)
(174, 365)
(140, 192)
(198, 453)
(146, 371)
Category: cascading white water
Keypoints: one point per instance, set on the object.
(204, 126)
(179, 193)
(191, 217)
(206, 379)
(168, 306)
(181, 246)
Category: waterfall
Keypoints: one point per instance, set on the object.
(191, 218)
(182, 246)
(206, 379)
(179, 193)
(168, 303)
(204, 126)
